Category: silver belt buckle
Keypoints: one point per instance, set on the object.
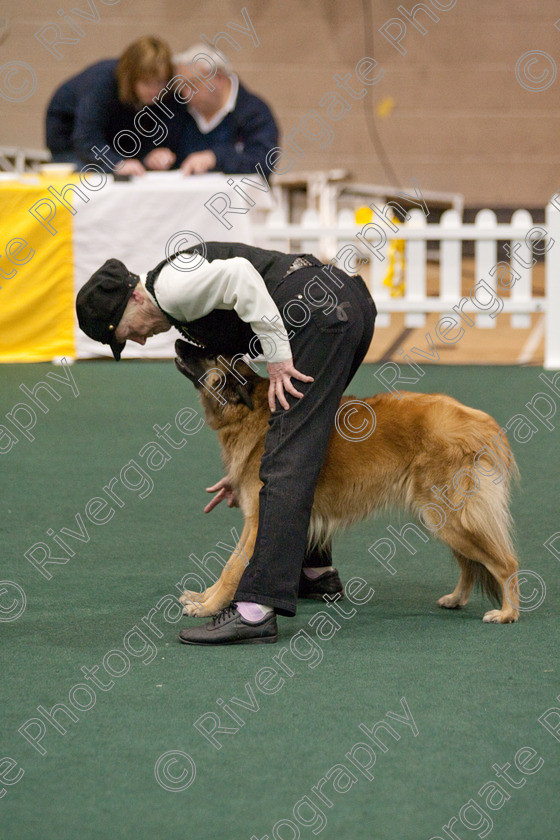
(299, 262)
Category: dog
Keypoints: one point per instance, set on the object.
(421, 444)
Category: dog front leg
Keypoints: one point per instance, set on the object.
(221, 593)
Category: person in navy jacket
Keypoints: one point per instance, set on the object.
(223, 127)
(92, 108)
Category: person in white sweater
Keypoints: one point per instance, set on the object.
(313, 324)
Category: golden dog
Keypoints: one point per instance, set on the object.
(419, 442)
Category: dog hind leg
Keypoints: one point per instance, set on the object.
(492, 566)
(460, 595)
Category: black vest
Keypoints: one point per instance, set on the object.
(223, 331)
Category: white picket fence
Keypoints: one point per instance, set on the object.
(521, 233)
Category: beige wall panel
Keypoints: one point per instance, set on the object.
(460, 119)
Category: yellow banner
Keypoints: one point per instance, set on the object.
(36, 276)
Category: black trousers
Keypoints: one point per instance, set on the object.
(329, 347)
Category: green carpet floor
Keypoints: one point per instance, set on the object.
(459, 700)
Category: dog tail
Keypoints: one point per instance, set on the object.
(487, 511)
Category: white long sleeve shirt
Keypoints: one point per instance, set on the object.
(224, 284)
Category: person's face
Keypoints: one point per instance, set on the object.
(140, 321)
(146, 90)
(204, 100)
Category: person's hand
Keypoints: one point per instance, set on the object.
(280, 374)
(225, 491)
(130, 167)
(198, 162)
(160, 160)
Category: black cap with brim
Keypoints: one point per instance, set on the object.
(101, 302)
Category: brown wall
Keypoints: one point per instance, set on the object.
(460, 122)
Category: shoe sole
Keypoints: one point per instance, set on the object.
(266, 640)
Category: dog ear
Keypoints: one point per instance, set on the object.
(244, 396)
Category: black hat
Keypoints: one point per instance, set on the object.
(102, 300)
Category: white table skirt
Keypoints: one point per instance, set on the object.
(133, 221)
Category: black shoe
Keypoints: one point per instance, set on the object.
(229, 627)
(328, 583)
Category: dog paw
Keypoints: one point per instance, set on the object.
(202, 604)
(450, 602)
(193, 603)
(501, 617)
(189, 597)
(197, 610)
